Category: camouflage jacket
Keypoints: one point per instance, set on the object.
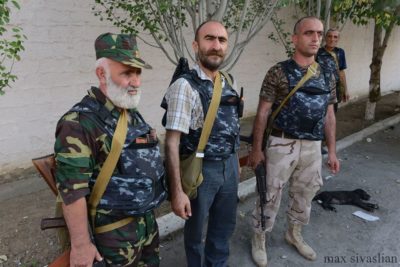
(83, 141)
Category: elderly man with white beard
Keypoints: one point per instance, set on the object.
(109, 171)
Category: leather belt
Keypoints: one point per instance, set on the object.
(282, 134)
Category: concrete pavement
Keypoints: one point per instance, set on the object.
(340, 238)
(170, 223)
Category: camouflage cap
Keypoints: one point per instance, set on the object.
(119, 47)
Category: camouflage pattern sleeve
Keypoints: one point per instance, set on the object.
(74, 158)
(275, 85)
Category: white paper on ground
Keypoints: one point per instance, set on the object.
(365, 216)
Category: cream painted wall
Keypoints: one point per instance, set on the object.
(58, 67)
(357, 43)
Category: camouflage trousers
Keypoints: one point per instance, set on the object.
(299, 163)
(135, 244)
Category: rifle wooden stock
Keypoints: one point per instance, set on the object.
(62, 260)
(248, 140)
(243, 160)
(46, 166)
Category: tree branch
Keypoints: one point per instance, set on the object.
(168, 33)
(219, 13)
(388, 32)
(209, 9)
(327, 16)
(147, 42)
(318, 11)
(202, 11)
(252, 32)
(242, 18)
(192, 13)
(348, 15)
(281, 38)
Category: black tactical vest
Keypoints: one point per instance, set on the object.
(224, 137)
(303, 116)
(138, 182)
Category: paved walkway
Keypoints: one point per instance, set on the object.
(340, 239)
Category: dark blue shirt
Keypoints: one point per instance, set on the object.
(341, 58)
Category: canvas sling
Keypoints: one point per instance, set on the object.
(105, 174)
(333, 54)
(191, 166)
(339, 89)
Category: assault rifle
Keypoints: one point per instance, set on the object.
(46, 167)
(261, 180)
(262, 190)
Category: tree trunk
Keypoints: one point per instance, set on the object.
(398, 99)
(376, 66)
(318, 11)
(327, 16)
(370, 111)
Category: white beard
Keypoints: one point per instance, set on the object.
(120, 96)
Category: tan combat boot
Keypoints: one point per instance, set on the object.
(293, 237)
(258, 250)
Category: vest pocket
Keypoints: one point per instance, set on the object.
(127, 193)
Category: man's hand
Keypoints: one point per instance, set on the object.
(84, 255)
(330, 137)
(343, 86)
(83, 252)
(333, 163)
(180, 202)
(180, 205)
(255, 157)
(256, 154)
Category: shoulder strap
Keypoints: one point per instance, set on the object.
(311, 71)
(210, 117)
(228, 77)
(333, 54)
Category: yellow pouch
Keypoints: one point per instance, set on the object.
(191, 174)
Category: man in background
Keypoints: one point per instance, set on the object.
(330, 52)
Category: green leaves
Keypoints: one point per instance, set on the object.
(15, 3)
(137, 16)
(362, 11)
(11, 44)
(281, 36)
